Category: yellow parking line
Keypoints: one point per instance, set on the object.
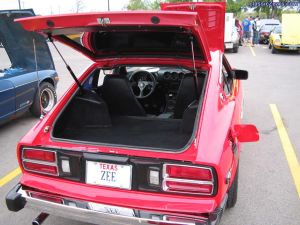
(252, 50)
(9, 176)
(287, 147)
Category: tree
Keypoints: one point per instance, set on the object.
(79, 6)
(137, 4)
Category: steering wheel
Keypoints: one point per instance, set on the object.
(142, 83)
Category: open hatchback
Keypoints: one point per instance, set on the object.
(150, 132)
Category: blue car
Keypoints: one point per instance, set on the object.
(27, 74)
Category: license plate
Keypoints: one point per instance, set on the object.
(292, 48)
(109, 175)
(115, 210)
(229, 45)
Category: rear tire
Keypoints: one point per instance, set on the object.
(49, 99)
(274, 50)
(233, 191)
(270, 46)
(235, 49)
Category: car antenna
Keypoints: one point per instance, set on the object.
(67, 66)
(195, 70)
(38, 79)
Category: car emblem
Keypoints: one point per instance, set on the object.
(103, 21)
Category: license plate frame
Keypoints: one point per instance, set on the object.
(292, 47)
(95, 171)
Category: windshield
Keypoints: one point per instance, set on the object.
(268, 27)
(277, 30)
(145, 43)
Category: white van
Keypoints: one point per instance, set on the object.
(231, 34)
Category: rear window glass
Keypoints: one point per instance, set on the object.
(144, 43)
(5, 61)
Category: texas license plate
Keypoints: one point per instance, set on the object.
(109, 175)
(115, 210)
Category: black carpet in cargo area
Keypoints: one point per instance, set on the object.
(133, 131)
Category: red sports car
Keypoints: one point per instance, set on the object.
(150, 133)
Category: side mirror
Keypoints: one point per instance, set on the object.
(240, 74)
(245, 133)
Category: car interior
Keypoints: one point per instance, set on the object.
(147, 107)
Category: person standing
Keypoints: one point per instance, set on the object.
(254, 31)
(258, 25)
(246, 30)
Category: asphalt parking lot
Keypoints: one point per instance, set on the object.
(267, 189)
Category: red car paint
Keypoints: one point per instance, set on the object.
(212, 145)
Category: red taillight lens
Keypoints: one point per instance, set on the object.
(40, 155)
(188, 179)
(183, 220)
(192, 173)
(189, 187)
(40, 168)
(40, 161)
(46, 198)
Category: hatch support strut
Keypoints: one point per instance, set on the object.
(195, 70)
(67, 66)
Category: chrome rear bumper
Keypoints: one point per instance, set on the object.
(82, 211)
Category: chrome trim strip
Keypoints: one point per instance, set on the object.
(189, 181)
(7, 89)
(20, 85)
(88, 215)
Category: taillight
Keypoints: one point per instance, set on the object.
(188, 179)
(40, 168)
(41, 155)
(46, 197)
(40, 161)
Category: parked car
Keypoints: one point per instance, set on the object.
(266, 25)
(286, 36)
(159, 145)
(232, 36)
(24, 82)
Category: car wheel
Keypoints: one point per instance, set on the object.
(235, 49)
(274, 50)
(44, 101)
(233, 191)
(270, 46)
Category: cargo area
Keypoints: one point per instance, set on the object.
(110, 114)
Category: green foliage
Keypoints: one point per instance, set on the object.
(239, 7)
(149, 4)
(137, 4)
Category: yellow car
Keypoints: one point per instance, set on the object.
(287, 35)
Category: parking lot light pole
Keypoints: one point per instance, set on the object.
(19, 4)
(108, 5)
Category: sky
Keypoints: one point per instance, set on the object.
(48, 7)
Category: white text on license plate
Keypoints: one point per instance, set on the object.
(109, 175)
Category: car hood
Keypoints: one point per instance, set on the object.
(291, 29)
(166, 33)
(18, 43)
